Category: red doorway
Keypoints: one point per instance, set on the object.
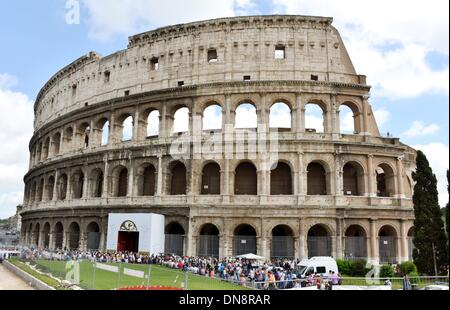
(128, 241)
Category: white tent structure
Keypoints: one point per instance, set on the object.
(250, 256)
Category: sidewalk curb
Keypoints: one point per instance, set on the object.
(29, 279)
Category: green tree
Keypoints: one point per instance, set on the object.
(430, 241)
(446, 207)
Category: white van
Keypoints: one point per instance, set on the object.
(319, 264)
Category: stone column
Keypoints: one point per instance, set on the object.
(365, 127)
(130, 191)
(374, 259)
(339, 239)
(371, 176)
(136, 125)
(302, 241)
(51, 239)
(112, 129)
(159, 184)
(338, 175)
(85, 185)
(300, 115)
(400, 192)
(334, 118)
(105, 190)
(301, 175)
(403, 241)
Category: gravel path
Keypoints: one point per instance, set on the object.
(9, 281)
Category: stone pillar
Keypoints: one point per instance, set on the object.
(339, 239)
(112, 129)
(51, 239)
(371, 177)
(136, 125)
(400, 192)
(338, 175)
(365, 127)
(105, 190)
(130, 191)
(300, 114)
(334, 118)
(85, 185)
(302, 241)
(404, 242)
(159, 184)
(374, 259)
(301, 175)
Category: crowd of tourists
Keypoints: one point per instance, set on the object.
(269, 274)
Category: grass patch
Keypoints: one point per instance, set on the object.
(107, 280)
(44, 278)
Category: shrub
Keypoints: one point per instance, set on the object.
(358, 268)
(407, 268)
(344, 267)
(386, 271)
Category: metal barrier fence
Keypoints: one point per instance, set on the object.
(319, 246)
(90, 275)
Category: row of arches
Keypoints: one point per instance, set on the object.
(176, 180)
(58, 237)
(100, 131)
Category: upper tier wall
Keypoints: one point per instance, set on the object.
(244, 46)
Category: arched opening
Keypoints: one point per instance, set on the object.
(246, 180)
(77, 185)
(93, 236)
(410, 244)
(62, 187)
(84, 132)
(181, 120)
(212, 117)
(387, 244)
(349, 118)
(355, 243)
(316, 179)
(128, 237)
(319, 241)
(74, 236)
(385, 181)
(127, 128)
(49, 187)
(282, 242)
(46, 148)
(244, 240)
(67, 139)
(103, 127)
(246, 116)
(353, 179)
(96, 181)
(280, 116)
(36, 234)
(56, 144)
(211, 179)
(178, 179)
(208, 241)
(39, 152)
(147, 181)
(40, 190)
(30, 234)
(33, 192)
(122, 182)
(314, 118)
(153, 124)
(174, 237)
(46, 235)
(281, 179)
(59, 232)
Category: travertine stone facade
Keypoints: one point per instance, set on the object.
(326, 196)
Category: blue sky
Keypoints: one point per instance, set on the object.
(403, 51)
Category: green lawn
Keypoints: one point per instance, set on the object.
(106, 280)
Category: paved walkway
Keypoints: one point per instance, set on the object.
(9, 281)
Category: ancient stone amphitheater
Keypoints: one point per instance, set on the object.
(128, 133)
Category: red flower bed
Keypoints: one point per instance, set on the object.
(150, 288)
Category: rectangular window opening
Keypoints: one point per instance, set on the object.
(107, 76)
(180, 83)
(247, 77)
(126, 93)
(280, 52)
(154, 64)
(212, 55)
(314, 77)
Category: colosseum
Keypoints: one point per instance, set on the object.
(182, 124)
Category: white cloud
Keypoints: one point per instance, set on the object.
(212, 118)
(246, 116)
(382, 116)
(280, 116)
(181, 120)
(418, 128)
(16, 129)
(110, 18)
(389, 41)
(437, 155)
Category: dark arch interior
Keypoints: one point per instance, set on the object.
(178, 181)
(211, 179)
(281, 180)
(282, 230)
(316, 180)
(318, 231)
(149, 181)
(174, 228)
(245, 230)
(355, 231)
(209, 229)
(387, 231)
(246, 181)
(351, 174)
(122, 187)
